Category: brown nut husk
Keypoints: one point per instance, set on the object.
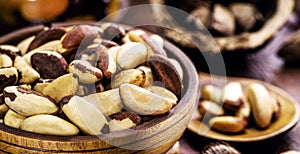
(27, 73)
(84, 115)
(65, 85)
(106, 62)
(43, 37)
(10, 50)
(144, 102)
(8, 77)
(232, 96)
(113, 32)
(28, 102)
(108, 102)
(164, 71)
(13, 119)
(123, 120)
(49, 125)
(228, 124)
(261, 104)
(49, 64)
(85, 71)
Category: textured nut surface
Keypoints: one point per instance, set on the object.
(48, 124)
(232, 96)
(13, 119)
(123, 120)
(132, 76)
(113, 32)
(5, 61)
(142, 101)
(212, 93)
(228, 124)
(10, 50)
(27, 102)
(65, 85)
(8, 77)
(85, 71)
(165, 72)
(49, 64)
(164, 93)
(131, 55)
(177, 66)
(261, 104)
(54, 33)
(148, 76)
(108, 102)
(28, 74)
(80, 111)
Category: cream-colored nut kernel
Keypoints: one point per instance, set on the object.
(49, 125)
(131, 55)
(164, 93)
(148, 76)
(261, 104)
(10, 50)
(158, 40)
(39, 87)
(123, 120)
(25, 86)
(152, 46)
(49, 64)
(126, 39)
(13, 119)
(85, 71)
(65, 85)
(233, 96)
(5, 61)
(108, 102)
(210, 108)
(212, 93)
(177, 67)
(28, 102)
(8, 77)
(228, 124)
(113, 51)
(132, 76)
(49, 46)
(24, 44)
(28, 74)
(106, 62)
(84, 115)
(144, 102)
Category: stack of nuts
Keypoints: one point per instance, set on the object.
(225, 19)
(229, 110)
(89, 79)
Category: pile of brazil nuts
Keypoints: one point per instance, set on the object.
(230, 110)
(86, 79)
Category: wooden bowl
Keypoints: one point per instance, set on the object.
(155, 136)
(242, 41)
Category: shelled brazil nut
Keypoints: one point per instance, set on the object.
(114, 75)
(232, 109)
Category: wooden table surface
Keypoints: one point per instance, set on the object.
(263, 64)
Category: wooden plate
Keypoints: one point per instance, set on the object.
(288, 118)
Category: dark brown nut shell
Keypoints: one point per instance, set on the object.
(8, 77)
(10, 50)
(49, 64)
(164, 71)
(78, 33)
(113, 32)
(106, 63)
(125, 114)
(54, 33)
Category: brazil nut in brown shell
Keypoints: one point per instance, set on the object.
(49, 64)
(165, 72)
(54, 33)
(8, 77)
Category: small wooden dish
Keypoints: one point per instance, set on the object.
(155, 136)
(242, 41)
(290, 114)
